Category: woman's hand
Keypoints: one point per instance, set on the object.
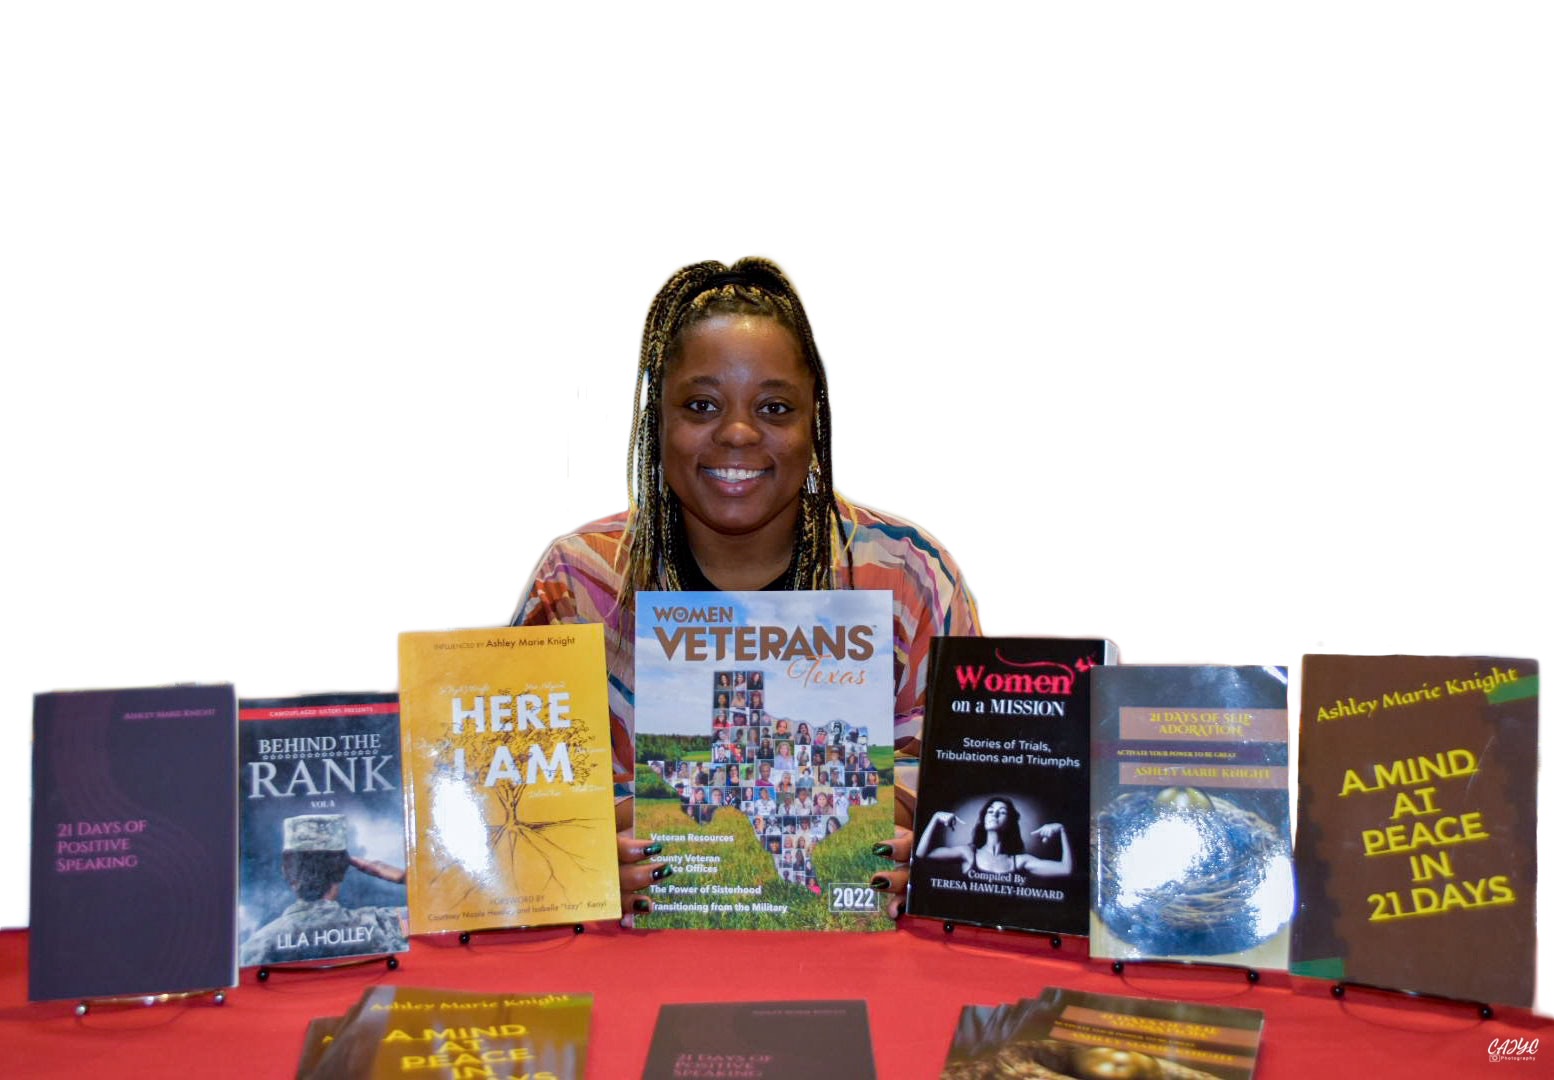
(635, 872)
(893, 882)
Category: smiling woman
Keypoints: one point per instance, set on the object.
(730, 467)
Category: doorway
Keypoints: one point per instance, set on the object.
(1122, 442)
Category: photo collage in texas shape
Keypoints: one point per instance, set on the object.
(793, 780)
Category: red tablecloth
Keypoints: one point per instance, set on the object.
(914, 980)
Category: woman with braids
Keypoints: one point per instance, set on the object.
(997, 843)
(729, 472)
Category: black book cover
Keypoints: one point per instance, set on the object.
(1003, 803)
(762, 1040)
(134, 842)
(322, 815)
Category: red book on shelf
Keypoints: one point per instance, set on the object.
(1024, 561)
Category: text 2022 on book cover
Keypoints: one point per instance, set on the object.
(764, 723)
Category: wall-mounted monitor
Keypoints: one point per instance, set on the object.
(264, 289)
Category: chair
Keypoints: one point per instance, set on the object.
(1231, 647)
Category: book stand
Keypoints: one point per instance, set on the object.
(391, 961)
(465, 936)
(1252, 975)
(1055, 940)
(217, 997)
(1484, 1011)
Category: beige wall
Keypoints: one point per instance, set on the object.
(1383, 339)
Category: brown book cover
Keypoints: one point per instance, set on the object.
(315, 1040)
(1416, 846)
(403, 1030)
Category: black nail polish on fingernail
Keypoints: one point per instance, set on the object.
(880, 884)
(662, 872)
(651, 850)
(639, 904)
(883, 850)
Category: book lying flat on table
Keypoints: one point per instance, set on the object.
(1071, 1033)
(396, 1031)
(762, 1040)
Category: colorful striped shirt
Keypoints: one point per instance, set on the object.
(578, 578)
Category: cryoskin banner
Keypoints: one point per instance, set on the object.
(465, 490)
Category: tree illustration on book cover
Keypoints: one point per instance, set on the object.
(759, 765)
(506, 744)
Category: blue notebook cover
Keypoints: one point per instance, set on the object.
(134, 842)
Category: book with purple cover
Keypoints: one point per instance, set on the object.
(134, 842)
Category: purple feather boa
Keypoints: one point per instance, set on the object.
(191, 379)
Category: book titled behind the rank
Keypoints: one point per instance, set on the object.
(506, 747)
(1417, 845)
(1003, 807)
(323, 828)
(134, 842)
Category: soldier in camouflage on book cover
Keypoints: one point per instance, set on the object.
(315, 860)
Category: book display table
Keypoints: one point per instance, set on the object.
(915, 981)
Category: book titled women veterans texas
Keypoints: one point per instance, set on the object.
(1417, 845)
(1003, 806)
(506, 746)
(764, 730)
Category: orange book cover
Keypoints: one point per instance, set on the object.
(506, 745)
(331, 627)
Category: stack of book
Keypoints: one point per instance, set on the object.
(1070, 1033)
(117, 673)
(394, 1030)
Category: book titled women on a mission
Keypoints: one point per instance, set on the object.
(764, 729)
(1003, 808)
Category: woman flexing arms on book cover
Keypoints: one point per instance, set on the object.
(729, 467)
